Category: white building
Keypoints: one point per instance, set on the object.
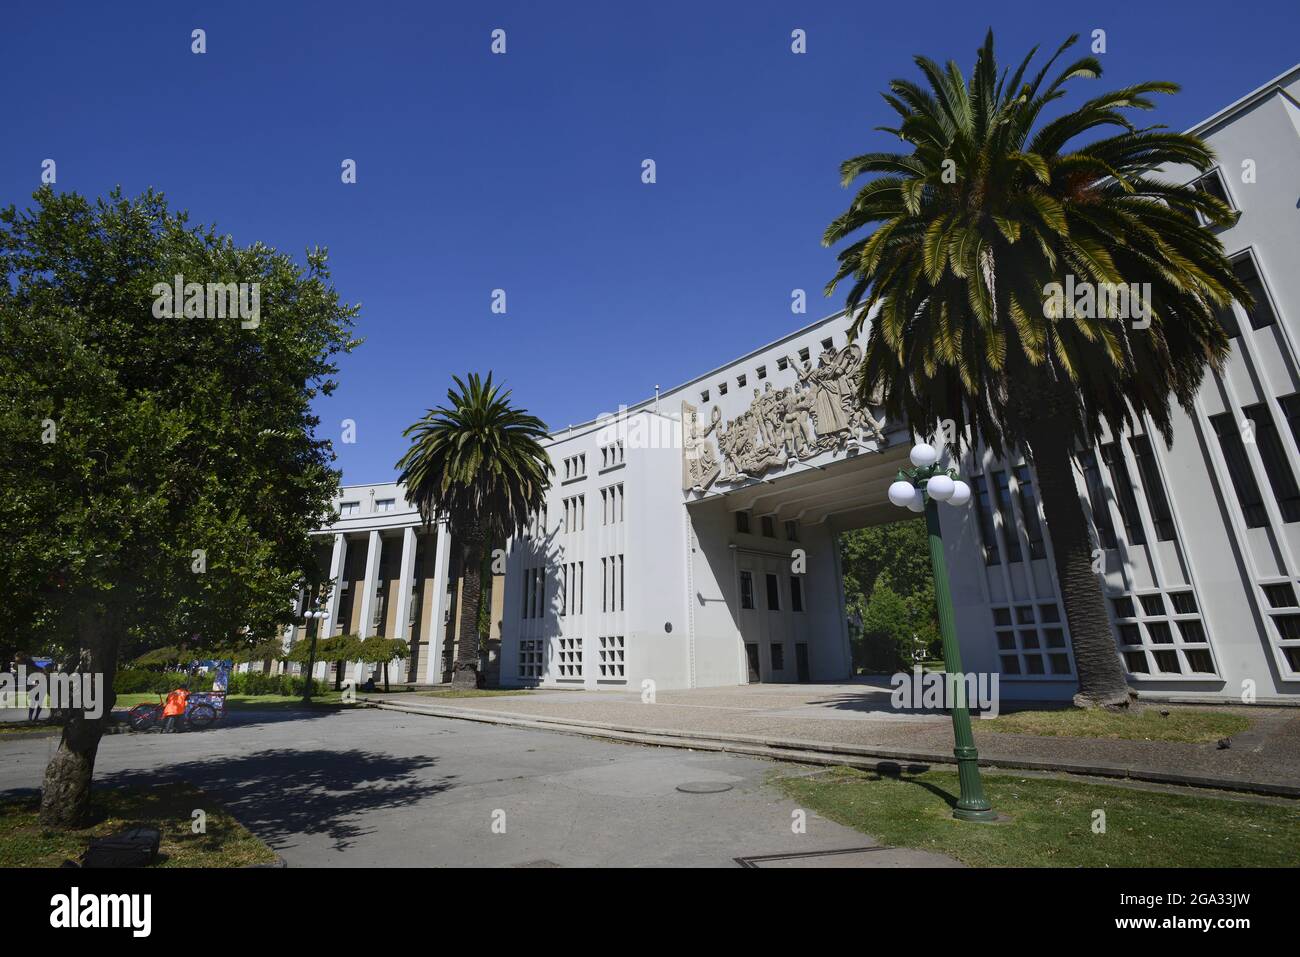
(680, 546)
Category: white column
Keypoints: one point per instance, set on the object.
(437, 632)
(374, 549)
(337, 562)
(405, 582)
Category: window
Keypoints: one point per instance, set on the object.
(1261, 314)
(1239, 470)
(534, 593)
(1153, 487)
(1097, 498)
(792, 530)
(740, 381)
(704, 396)
(742, 522)
(827, 344)
(530, 658)
(778, 657)
(610, 654)
(769, 526)
(571, 581)
(803, 354)
(1033, 646)
(782, 364)
(988, 534)
(722, 388)
(611, 504)
(1212, 183)
(1009, 532)
(796, 593)
(385, 504)
(569, 658)
(1281, 595)
(611, 588)
(773, 593)
(746, 589)
(761, 372)
(1113, 456)
(575, 466)
(1291, 409)
(1277, 466)
(349, 508)
(1029, 510)
(575, 512)
(1162, 643)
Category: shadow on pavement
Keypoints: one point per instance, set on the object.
(281, 793)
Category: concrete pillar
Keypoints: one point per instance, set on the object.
(406, 581)
(374, 549)
(338, 560)
(437, 630)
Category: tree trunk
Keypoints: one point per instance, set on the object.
(465, 672)
(338, 675)
(65, 792)
(1101, 678)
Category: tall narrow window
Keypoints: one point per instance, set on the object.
(988, 535)
(1276, 464)
(1029, 509)
(1243, 478)
(1153, 487)
(773, 593)
(1113, 456)
(796, 593)
(1097, 498)
(746, 589)
(1260, 314)
(1009, 531)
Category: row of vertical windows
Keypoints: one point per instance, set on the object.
(1261, 314)
(571, 581)
(1160, 641)
(767, 524)
(997, 483)
(575, 509)
(611, 455)
(1259, 429)
(611, 583)
(1123, 484)
(575, 466)
(536, 527)
(534, 592)
(773, 593)
(611, 504)
(1029, 645)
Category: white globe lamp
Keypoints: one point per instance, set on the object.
(900, 493)
(923, 455)
(940, 487)
(960, 493)
(917, 504)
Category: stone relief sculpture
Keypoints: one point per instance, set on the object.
(819, 413)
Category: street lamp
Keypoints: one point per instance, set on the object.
(312, 617)
(919, 489)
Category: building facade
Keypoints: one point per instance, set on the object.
(691, 540)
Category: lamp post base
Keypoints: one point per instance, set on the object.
(986, 816)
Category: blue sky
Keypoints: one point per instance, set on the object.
(522, 172)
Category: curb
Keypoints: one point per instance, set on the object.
(817, 752)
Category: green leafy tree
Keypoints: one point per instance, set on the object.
(478, 461)
(887, 575)
(958, 241)
(161, 474)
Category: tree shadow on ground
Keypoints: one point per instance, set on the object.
(280, 794)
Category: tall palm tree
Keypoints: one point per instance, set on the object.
(992, 203)
(479, 462)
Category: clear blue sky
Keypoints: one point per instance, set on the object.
(522, 171)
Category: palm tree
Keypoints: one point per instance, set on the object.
(479, 462)
(993, 204)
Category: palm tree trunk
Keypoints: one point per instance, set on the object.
(65, 791)
(465, 673)
(1101, 678)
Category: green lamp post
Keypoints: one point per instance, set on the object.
(920, 489)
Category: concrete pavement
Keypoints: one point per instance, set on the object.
(381, 788)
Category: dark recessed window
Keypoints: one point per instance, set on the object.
(1001, 616)
(1130, 635)
(746, 590)
(796, 594)
(769, 526)
(1029, 510)
(1124, 497)
(773, 594)
(1025, 614)
(988, 534)
(1261, 314)
(1008, 517)
(1239, 470)
(1123, 607)
(1136, 662)
(1276, 464)
(1097, 498)
(1281, 595)
(1184, 602)
(1159, 633)
(1152, 604)
(742, 522)
(1157, 501)
(1049, 613)
(778, 657)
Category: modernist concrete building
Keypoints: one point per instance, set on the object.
(691, 539)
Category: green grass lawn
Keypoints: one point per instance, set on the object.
(473, 692)
(1142, 725)
(169, 807)
(1051, 821)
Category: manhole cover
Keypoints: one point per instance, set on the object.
(703, 787)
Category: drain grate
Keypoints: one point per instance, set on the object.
(703, 787)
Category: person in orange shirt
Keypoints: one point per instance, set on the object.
(175, 707)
